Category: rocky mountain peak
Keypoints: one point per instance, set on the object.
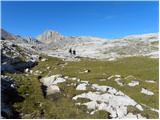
(49, 35)
(51, 32)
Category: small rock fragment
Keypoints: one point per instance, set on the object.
(48, 68)
(66, 77)
(118, 76)
(147, 92)
(118, 80)
(110, 77)
(27, 70)
(149, 81)
(74, 78)
(44, 59)
(133, 83)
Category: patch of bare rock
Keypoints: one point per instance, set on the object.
(104, 97)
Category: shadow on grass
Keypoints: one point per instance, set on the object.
(9, 96)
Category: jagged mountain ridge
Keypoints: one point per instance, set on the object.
(52, 36)
(17, 38)
(86, 46)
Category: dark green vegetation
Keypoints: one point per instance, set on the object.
(62, 105)
(155, 42)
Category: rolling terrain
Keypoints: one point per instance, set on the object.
(115, 78)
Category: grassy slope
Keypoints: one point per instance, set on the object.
(142, 68)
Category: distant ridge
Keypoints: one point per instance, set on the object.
(6, 35)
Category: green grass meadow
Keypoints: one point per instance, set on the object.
(62, 105)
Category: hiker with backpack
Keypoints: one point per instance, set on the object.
(74, 52)
(70, 51)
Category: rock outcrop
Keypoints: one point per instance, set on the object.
(15, 57)
(49, 36)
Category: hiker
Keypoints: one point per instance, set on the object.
(74, 52)
(70, 51)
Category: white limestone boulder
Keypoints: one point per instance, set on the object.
(54, 79)
(52, 89)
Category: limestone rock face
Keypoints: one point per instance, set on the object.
(53, 36)
(15, 57)
(99, 48)
(49, 36)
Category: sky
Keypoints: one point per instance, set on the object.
(102, 19)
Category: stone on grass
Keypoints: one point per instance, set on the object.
(52, 89)
(54, 79)
(81, 86)
(150, 81)
(87, 71)
(133, 83)
(48, 68)
(110, 77)
(139, 107)
(147, 92)
(117, 76)
(113, 101)
(74, 78)
(118, 81)
(66, 77)
(44, 59)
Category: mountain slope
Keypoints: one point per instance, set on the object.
(93, 47)
(54, 44)
(6, 36)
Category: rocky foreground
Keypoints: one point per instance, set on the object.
(20, 55)
(104, 98)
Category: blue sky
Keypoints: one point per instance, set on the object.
(101, 19)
